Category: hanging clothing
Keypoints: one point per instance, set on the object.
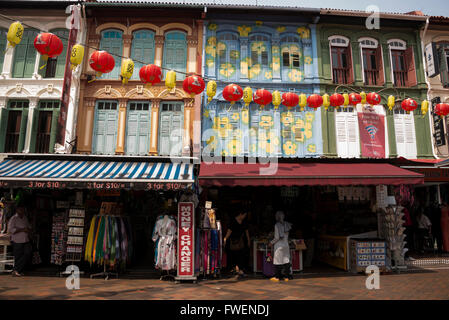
(280, 242)
(164, 235)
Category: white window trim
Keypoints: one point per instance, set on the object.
(368, 46)
(392, 47)
(346, 44)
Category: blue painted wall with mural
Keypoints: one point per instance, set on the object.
(265, 55)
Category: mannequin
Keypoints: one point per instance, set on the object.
(281, 258)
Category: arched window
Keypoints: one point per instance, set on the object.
(112, 42)
(142, 49)
(175, 53)
(260, 54)
(228, 56)
(292, 56)
(341, 60)
(55, 67)
(372, 62)
(25, 56)
(3, 33)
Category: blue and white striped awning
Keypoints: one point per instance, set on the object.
(94, 174)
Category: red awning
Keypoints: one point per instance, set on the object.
(306, 174)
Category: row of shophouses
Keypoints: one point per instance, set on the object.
(286, 49)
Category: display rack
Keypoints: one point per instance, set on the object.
(75, 236)
(5, 259)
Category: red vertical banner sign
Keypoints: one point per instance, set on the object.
(65, 98)
(372, 134)
(186, 241)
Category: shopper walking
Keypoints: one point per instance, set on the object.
(445, 226)
(19, 228)
(281, 258)
(238, 244)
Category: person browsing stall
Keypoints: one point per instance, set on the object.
(239, 243)
(19, 228)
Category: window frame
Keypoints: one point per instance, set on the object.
(343, 45)
(115, 73)
(94, 134)
(28, 41)
(373, 49)
(300, 54)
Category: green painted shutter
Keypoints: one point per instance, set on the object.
(2, 48)
(444, 68)
(19, 59)
(60, 64)
(54, 128)
(34, 126)
(3, 127)
(23, 130)
(30, 59)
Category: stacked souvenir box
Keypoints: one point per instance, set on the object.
(75, 239)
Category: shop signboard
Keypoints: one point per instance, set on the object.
(92, 185)
(186, 241)
(372, 134)
(438, 125)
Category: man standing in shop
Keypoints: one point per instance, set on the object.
(19, 228)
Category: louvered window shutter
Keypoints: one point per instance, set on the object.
(100, 127)
(380, 63)
(20, 52)
(111, 132)
(342, 139)
(131, 134)
(2, 48)
(164, 135)
(144, 132)
(410, 138)
(3, 128)
(142, 50)
(444, 68)
(352, 130)
(23, 130)
(350, 66)
(34, 127)
(54, 129)
(61, 60)
(411, 69)
(111, 41)
(400, 134)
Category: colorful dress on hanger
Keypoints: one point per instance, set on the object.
(164, 234)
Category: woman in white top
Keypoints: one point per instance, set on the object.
(281, 258)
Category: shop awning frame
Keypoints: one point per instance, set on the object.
(97, 173)
(308, 174)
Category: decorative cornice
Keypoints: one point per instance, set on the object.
(127, 38)
(192, 40)
(89, 102)
(159, 40)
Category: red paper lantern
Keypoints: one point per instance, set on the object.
(150, 74)
(193, 85)
(442, 109)
(336, 100)
(409, 105)
(373, 98)
(290, 99)
(262, 97)
(48, 45)
(355, 99)
(315, 101)
(102, 62)
(232, 93)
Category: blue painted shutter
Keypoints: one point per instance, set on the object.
(111, 41)
(142, 49)
(164, 135)
(138, 132)
(175, 54)
(171, 125)
(105, 132)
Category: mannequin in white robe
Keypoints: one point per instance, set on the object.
(281, 258)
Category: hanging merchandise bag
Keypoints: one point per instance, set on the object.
(268, 267)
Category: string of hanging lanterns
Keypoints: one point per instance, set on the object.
(50, 45)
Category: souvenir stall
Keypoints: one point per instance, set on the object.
(6, 256)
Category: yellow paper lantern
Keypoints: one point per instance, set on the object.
(247, 96)
(391, 102)
(76, 56)
(302, 101)
(15, 34)
(326, 101)
(277, 100)
(211, 90)
(363, 95)
(346, 103)
(127, 70)
(424, 107)
(170, 80)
